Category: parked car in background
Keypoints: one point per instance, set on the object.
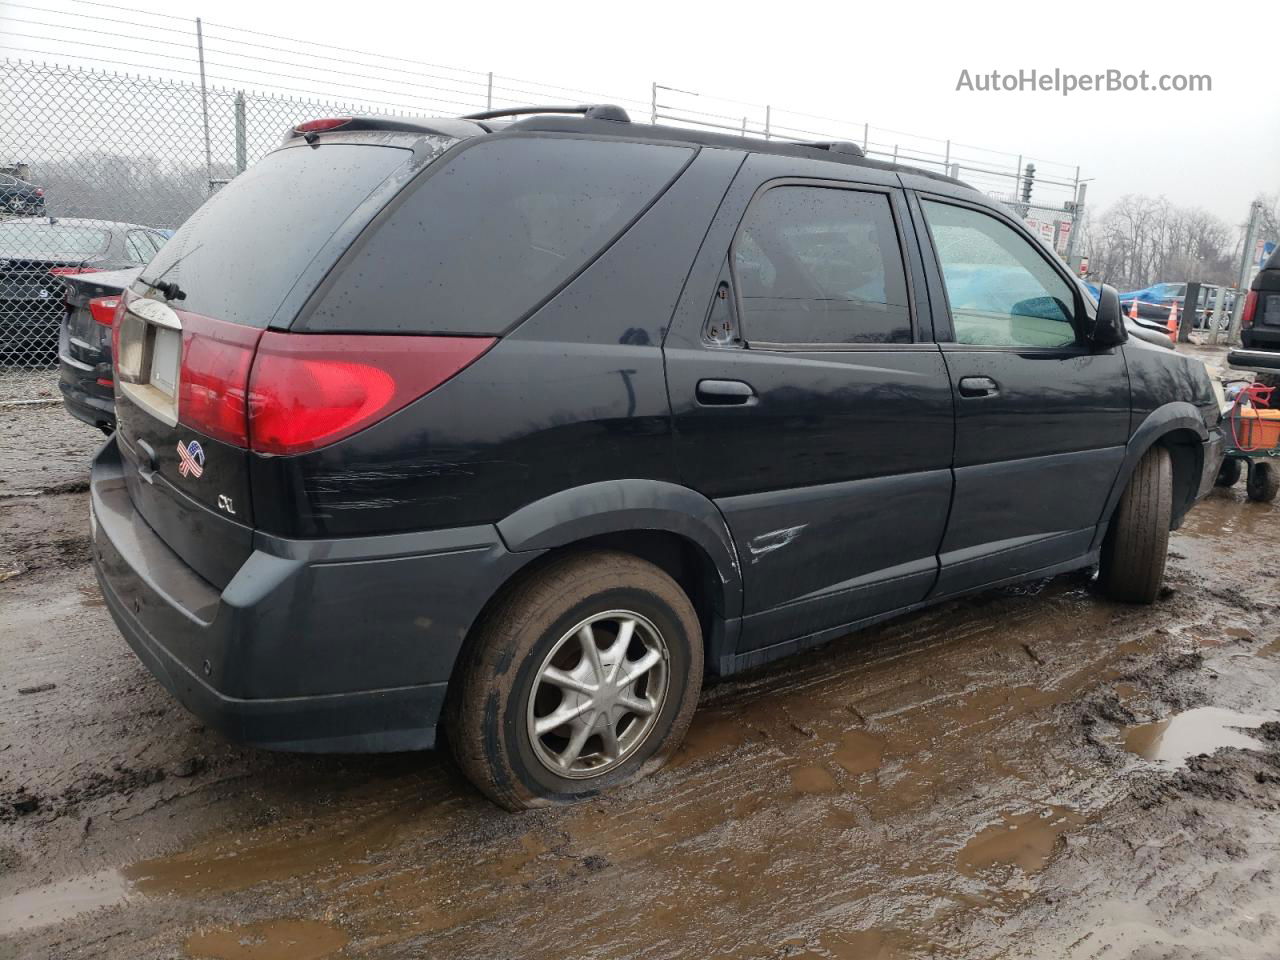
(84, 345)
(36, 255)
(19, 197)
(512, 431)
(1260, 327)
(1155, 302)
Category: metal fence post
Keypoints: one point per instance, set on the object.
(1017, 180)
(866, 136)
(653, 102)
(488, 95)
(204, 108)
(768, 112)
(1077, 216)
(947, 163)
(242, 134)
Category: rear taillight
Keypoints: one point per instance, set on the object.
(1250, 309)
(73, 271)
(39, 191)
(212, 384)
(310, 390)
(104, 309)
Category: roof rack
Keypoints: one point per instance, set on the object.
(834, 146)
(592, 111)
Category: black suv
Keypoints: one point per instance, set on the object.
(513, 430)
(1260, 326)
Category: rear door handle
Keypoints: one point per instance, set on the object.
(978, 387)
(725, 393)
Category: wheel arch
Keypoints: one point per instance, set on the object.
(1180, 428)
(672, 526)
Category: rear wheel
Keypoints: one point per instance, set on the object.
(1263, 483)
(582, 678)
(1137, 543)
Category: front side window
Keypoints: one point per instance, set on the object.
(821, 265)
(1002, 292)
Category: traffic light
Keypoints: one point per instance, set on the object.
(1028, 180)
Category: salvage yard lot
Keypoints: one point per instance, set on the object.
(953, 784)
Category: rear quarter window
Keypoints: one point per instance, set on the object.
(490, 233)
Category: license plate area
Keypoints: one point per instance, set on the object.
(151, 358)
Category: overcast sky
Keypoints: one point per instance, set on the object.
(895, 65)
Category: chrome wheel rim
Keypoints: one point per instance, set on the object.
(597, 695)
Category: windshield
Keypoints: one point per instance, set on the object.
(241, 253)
(38, 240)
(1169, 289)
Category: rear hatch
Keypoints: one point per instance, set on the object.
(189, 327)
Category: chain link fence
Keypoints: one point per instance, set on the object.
(97, 168)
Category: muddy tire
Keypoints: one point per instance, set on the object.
(1228, 473)
(1137, 543)
(1263, 483)
(529, 664)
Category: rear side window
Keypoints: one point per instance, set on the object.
(821, 265)
(477, 244)
(241, 253)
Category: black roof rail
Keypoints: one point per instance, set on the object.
(592, 111)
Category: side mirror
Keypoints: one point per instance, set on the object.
(1108, 325)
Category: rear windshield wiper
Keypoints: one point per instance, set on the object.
(170, 291)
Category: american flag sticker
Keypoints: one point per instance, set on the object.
(191, 459)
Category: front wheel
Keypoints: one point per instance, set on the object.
(583, 677)
(1228, 473)
(1136, 547)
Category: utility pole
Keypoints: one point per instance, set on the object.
(1077, 218)
(1246, 261)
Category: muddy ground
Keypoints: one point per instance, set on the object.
(1005, 776)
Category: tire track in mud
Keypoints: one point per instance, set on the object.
(950, 784)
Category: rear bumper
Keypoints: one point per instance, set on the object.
(84, 398)
(1265, 360)
(324, 645)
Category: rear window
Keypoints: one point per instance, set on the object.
(481, 241)
(240, 254)
(51, 241)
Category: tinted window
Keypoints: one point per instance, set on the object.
(50, 241)
(240, 253)
(481, 241)
(1002, 292)
(821, 265)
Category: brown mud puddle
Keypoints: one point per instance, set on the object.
(1024, 840)
(272, 940)
(1193, 732)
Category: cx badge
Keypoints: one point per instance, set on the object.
(191, 459)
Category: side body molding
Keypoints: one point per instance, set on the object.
(618, 506)
(1178, 415)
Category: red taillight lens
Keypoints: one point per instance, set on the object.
(310, 390)
(39, 191)
(321, 125)
(1250, 309)
(73, 271)
(104, 309)
(212, 386)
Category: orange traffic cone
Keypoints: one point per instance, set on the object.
(1173, 321)
(1133, 309)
